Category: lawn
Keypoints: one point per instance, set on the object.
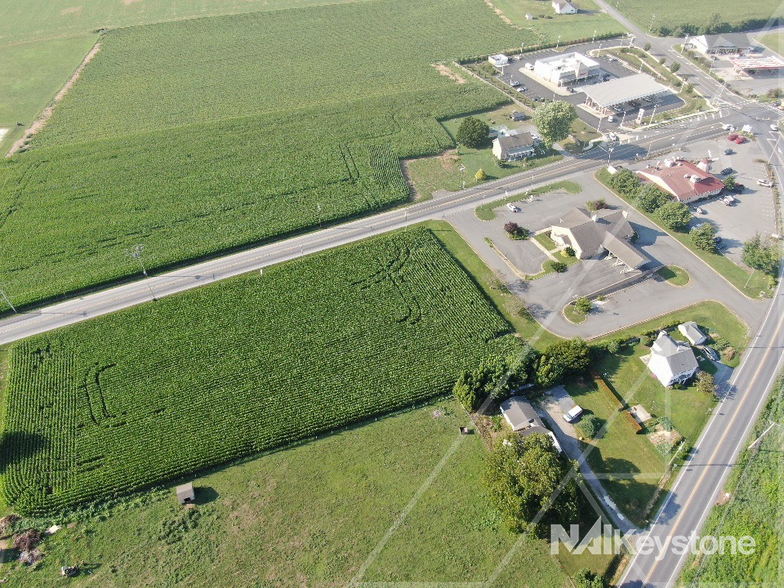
(545, 240)
(550, 26)
(754, 509)
(773, 41)
(311, 515)
(674, 275)
(675, 18)
(573, 315)
(171, 150)
(239, 367)
(486, 212)
(509, 305)
(30, 76)
(753, 284)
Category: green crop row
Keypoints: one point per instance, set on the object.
(160, 391)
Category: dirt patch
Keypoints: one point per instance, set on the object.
(502, 16)
(44, 117)
(445, 71)
(659, 436)
(449, 158)
(71, 10)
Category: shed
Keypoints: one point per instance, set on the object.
(185, 493)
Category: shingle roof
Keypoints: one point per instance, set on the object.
(516, 141)
(677, 359)
(692, 332)
(740, 40)
(520, 413)
(677, 182)
(605, 228)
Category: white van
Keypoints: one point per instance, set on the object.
(574, 414)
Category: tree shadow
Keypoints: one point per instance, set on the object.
(18, 447)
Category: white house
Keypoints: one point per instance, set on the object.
(692, 332)
(514, 147)
(498, 60)
(564, 7)
(671, 362)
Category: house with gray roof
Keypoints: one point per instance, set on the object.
(515, 147)
(670, 361)
(592, 234)
(692, 332)
(522, 417)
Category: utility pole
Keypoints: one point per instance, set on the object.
(7, 301)
(558, 44)
(136, 253)
(765, 432)
(594, 37)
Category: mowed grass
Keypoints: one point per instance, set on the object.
(245, 365)
(674, 275)
(170, 150)
(311, 515)
(550, 25)
(773, 41)
(30, 76)
(666, 16)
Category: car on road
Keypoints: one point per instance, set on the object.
(512, 207)
(726, 171)
(573, 414)
(774, 127)
(529, 66)
(612, 137)
(610, 118)
(728, 152)
(765, 183)
(732, 137)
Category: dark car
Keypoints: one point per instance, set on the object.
(738, 188)
(728, 152)
(726, 171)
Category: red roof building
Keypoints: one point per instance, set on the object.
(682, 179)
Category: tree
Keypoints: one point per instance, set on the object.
(554, 120)
(703, 237)
(521, 476)
(512, 228)
(583, 304)
(675, 215)
(675, 66)
(761, 255)
(558, 266)
(473, 386)
(472, 132)
(585, 578)
(650, 198)
(706, 384)
(729, 182)
(599, 204)
(480, 176)
(647, 47)
(569, 251)
(662, 60)
(562, 359)
(626, 182)
(590, 425)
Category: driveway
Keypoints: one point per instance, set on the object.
(554, 405)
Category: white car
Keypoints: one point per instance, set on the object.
(610, 118)
(612, 137)
(765, 183)
(512, 207)
(574, 413)
(774, 127)
(529, 66)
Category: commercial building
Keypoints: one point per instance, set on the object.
(725, 44)
(514, 147)
(757, 65)
(593, 234)
(567, 69)
(498, 60)
(682, 179)
(607, 95)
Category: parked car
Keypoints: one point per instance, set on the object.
(774, 127)
(529, 66)
(733, 136)
(512, 207)
(728, 201)
(766, 183)
(726, 171)
(573, 414)
(740, 140)
(738, 188)
(711, 353)
(728, 152)
(514, 83)
(699, 210)
(610, 118)
(717, 239)
(726, 127)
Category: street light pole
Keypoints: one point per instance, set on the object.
(558, 44)
(594, 37)
(136, 253)
(7, 301)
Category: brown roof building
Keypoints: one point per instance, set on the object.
(683, 180)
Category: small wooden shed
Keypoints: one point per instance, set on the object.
(185, 493)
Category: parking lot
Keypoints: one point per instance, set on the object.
(753, 210)
(517, 75)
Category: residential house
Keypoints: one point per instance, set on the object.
(564, 7)
(529, 16)
(515, 147)
(670, 361)
(683, 180)
(522, 417)
(692, 332)
(593, 234)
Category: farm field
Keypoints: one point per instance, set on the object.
(222, 165)
(239, 367)
(754, 509)
(675, 18)
(268, 506)
(550, 25)
(30, 76)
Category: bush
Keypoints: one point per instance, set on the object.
(614, 346)
(480, 176)
(596, 204)
(674, 215)
(472, 132)
(590, 425)
(569, 251)
(650, 198)
(583, 304)
(706, 384)
(515, 231)
(558, 266)
(646, 340)
(761, 255)
(703, 237)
